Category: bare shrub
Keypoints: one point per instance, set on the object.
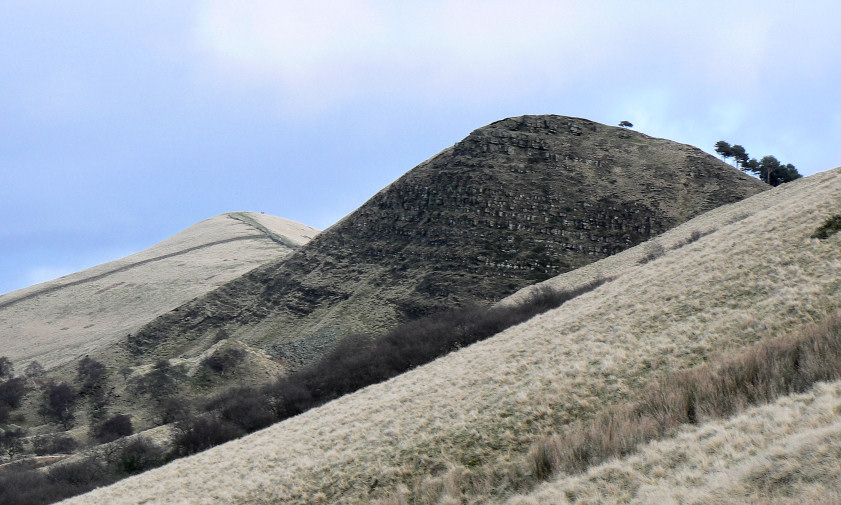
(58, 403)
(111, 429)
(203, 432)
(224, 360)
(65, 479)
(53, 444)
(12, 391)
(87, 472)
(693, 237)
(25, 487)
(11, 441)
(173, 409)
(34, 370)
(244, 407)
(652, 251)
(139, 455)
(160, 384)
(7, 370)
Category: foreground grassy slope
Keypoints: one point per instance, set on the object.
(789, 448)
(476, 412)
(78, 314)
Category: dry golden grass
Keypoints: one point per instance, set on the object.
(456, 429)
(782, 453)
(43, 322)
(757, 375)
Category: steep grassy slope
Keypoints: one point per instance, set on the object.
(791, 448)
(78, 314)
(475, 412)
(516, 202)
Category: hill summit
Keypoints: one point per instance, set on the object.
(516, 202)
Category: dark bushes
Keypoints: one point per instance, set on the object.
(115, 427)
(12, 391)
(11, 394)
(58, 403)
(11, 441)
(240, 406)
(199, 433)
(159, 381)
(7, 369)
(63, 480)
(171, 409)
(139, 455)
(223, 360)
(90, 374)
(26, 487)
(87, 473)
(53, 444)
(358, 361)
(33, 487)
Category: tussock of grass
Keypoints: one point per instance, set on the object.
(760, 374)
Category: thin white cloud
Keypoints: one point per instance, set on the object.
(329, 50)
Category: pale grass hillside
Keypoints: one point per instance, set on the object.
(58, 321)
(459, 429)
(791, 448)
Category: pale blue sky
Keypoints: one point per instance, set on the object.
(125, 122)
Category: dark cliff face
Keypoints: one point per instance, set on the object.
(516, 202)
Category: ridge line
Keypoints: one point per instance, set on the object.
(123, 268)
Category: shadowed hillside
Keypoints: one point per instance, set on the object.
(456, 430)
(514, 203)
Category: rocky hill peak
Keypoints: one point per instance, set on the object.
(515, 202)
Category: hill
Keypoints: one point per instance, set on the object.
(58, 321)
(460, 427)
(516, 202)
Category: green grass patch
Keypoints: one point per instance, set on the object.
(829, 228)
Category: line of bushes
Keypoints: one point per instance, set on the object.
(760, 374)
(23, 486)
(356, 362)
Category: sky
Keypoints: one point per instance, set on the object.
(122, 123)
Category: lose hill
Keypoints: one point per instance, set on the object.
(516, 202)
